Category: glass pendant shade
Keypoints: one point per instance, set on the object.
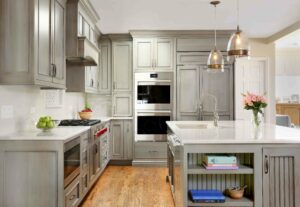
(238, 44)
(215, 60)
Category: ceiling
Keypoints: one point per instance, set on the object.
(289, 41)
(258, 18)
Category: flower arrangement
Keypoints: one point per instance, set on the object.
(255, 103)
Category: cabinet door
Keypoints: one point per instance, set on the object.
(128, 139)
(117, 140)
(44, 52)
(216, 89)
(16, 36)
(91, 79)
(122, 105)
(281, 177)
(293, 113)
(164, 54)
(122, 66)
(143, 54)
(187, 92)
(105, 69)
(59, 60)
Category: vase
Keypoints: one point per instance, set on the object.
(257, 119)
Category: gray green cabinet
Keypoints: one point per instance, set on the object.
(33, 42)
(197, 87)
(105, 71)
(121, 140)
(281, 177)
(153, 54)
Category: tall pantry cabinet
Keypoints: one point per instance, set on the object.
(32, 40)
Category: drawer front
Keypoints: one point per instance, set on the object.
(156, 150)
(72, 194)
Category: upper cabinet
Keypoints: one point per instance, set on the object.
(153, 54)
(105, 67)
(82, 51)
(33, 42)
(122, 66)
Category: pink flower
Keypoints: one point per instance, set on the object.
(254, 98)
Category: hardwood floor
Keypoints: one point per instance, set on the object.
(127, 186)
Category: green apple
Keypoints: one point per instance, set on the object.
(42, 124)
(50, 124)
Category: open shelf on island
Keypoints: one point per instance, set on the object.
(243, 202)
(199, 169)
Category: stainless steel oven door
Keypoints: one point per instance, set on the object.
(71, 160)
(151, 125)
(154, 91)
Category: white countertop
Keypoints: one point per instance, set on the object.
(233, 132)
(106, 119)
(56, 134)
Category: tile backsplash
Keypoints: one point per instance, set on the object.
(21, 106)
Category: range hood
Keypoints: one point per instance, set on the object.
(86, 53)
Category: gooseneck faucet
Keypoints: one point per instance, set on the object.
(215, 112)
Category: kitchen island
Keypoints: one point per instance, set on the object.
(268, 160)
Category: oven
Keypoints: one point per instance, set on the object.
(71, 160)
(151, 125)
(153, 91)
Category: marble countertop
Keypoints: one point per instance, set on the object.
(56, 134)
(232, 132)
(106, 119)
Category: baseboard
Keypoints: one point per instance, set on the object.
(120, 162)
(138, 162)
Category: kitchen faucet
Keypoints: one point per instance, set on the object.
(215, 113)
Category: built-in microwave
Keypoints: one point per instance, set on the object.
(153, 91)
(151, 125)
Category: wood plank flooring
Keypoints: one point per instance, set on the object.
(127, 186)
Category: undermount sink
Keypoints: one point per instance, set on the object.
(195, 126)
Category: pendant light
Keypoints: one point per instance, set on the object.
(215, 59)
(238, 45)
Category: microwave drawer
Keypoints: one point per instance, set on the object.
(150, 150)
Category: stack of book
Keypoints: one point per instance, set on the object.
(220, 162)
(207, 196)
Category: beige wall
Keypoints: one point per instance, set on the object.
(260, 49)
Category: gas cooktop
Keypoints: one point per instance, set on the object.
(78, 122)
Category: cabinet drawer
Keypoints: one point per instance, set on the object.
(72, 194)
(151, 150)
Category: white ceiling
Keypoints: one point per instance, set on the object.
(289, 41)
(258, 18)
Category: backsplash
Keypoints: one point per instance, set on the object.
(27, 104)
(101, 105)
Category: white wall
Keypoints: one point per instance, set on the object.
(28, 104)
(287, 86)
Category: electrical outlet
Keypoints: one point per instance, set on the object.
(7, 112)
(54, 98)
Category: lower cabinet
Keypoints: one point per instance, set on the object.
(72, 194)
(281, 177)
(121, 140)
(150, 153)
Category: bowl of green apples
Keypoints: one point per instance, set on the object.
(46, 123)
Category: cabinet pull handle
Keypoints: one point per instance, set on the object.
(266, 164)
(92, 83)
(54, 74)
(51, 70)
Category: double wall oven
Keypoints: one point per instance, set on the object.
(153, 105)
